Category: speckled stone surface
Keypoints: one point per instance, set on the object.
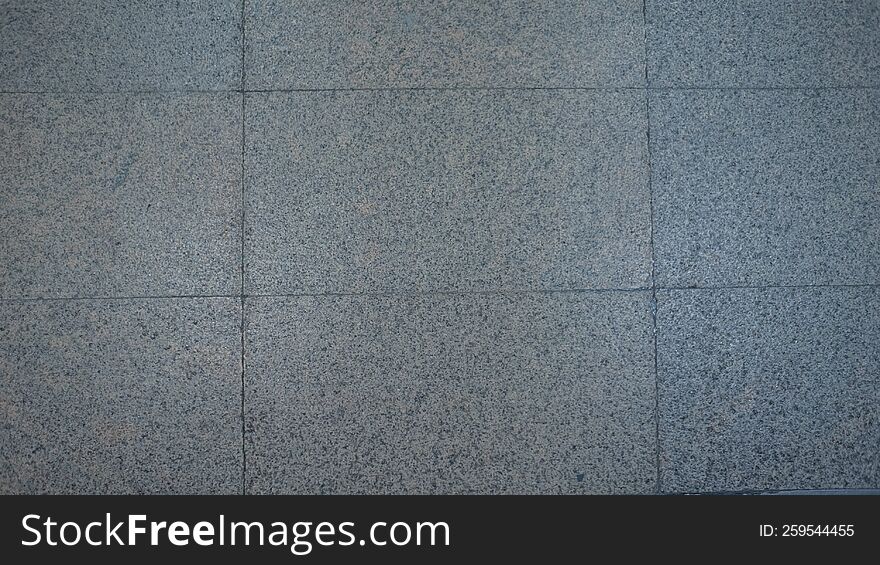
(769, 388)
(119, 195)
(766, 187)
(485, 393)
(120, 397)
(435, 226)
(111, 45)
(446, 190)
(731, 43)
(428, 43)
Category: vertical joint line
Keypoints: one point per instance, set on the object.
(653, 256)
(241, 280)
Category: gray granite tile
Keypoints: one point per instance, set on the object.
(766, 187)
(107, 45)
(115, 195)
(446, 190)
(769, 388)
(725, 43)
(120, 396)
(454, 393)
(427, 43)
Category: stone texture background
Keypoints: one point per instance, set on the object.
(317, 246)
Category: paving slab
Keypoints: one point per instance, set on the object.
(766, 187)
(425, 43)
(120, 195)
(107, 45)
(446, 190)
(769, 389)
(756, 43)
(454, 393)
(120, 397)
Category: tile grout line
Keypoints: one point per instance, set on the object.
(770, 286)
(241, 288)
(241, 295)
(445, 89)
(779, 88)
(107, 298)
(782, 491)
(657, 487)
(170, 91)
(442, 89)
(404, 294)
(554, 291)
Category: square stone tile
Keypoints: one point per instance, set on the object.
(769, 389)
(425, 43)
(120, 195)
(729, 43)
(766, 187)
(120, 396)
(108, 45)
(454, 393)
(446, 190)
